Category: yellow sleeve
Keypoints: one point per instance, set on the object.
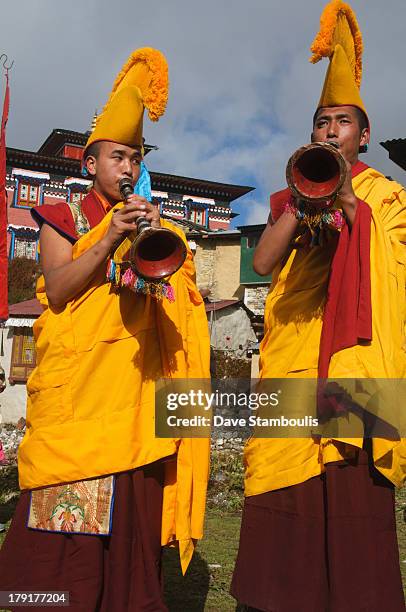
(393, 215)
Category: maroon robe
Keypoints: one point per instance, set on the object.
(326, 544)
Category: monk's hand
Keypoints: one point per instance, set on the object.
(145, 209)
(346, 198)
(124, 220)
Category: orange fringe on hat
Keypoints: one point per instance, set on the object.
(155, 97)
(338, 25)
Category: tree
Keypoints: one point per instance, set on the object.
(22, 278)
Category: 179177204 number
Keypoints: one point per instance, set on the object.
(33, 598)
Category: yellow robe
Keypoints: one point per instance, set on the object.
(90, 409)
(290, 348)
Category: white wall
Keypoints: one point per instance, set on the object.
(229, 328)
(13, 398)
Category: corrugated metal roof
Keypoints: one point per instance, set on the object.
(28, 307)
(210, 306)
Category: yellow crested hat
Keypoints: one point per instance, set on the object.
(141, 83)
(340, 40)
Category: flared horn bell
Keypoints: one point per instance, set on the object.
(157, 252)
(316, 172)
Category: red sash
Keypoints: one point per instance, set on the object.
(59, 216)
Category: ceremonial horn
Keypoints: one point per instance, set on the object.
(156, 252)
(316, 172)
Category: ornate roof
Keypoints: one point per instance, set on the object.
(58, 138)
(397, 151)
(64, 166)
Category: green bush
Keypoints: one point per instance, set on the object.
(226, 484)
(225, 365)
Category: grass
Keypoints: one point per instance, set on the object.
(205, 587)
(8, 495)
(207, 581)
(400, 506)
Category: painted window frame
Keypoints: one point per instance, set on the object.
(20, 367)
(27, 204)
(15, 237)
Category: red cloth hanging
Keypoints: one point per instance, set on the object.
(3, 209)
(347, 319)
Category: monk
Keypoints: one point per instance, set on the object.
(318, 529)
(101, 494)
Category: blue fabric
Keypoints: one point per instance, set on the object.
(143, 186)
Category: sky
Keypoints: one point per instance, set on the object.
(242, 91)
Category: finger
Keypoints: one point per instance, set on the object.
(138, 206)
(133, 217)
(126, 209)
(128, 223)
(139, 200)
(126, 227)
(136, 195)
(134, 210)
(142, 200)
(134, 199)
(146, 206)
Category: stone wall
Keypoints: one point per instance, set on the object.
(231, 330)
(205, 262)
(255, 297)
(217, 263)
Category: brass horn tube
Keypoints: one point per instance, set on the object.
(316, 172)
(156, 252)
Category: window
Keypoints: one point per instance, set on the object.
(25, 247)
(252, 241)
(247, 274)
(197, 215)
(23, 192)
(200, 217)
(27, 195)
(33, 195)
(23, 355)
